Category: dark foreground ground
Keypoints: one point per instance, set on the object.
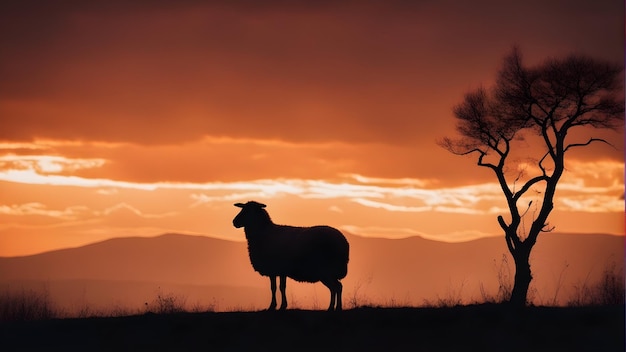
(469, 328)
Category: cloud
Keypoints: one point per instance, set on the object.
(46, 164)
(34, 178)
(35, 208)
(394, 195)
(593, 187)
(107, 191)
(76, 212)
(226, 159)
(391, 207)
(399, 233)
(11, 146)
(126, 208)
(391, 181)
(200, 199)
(156, 74)
(155, 114)
(596, 204)
(335, 209)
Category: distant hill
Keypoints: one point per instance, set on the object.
(406, 271)
(170, 258)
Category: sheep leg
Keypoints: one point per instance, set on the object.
(338, 292)
(335, 288)
(283, 292)
(273, 287)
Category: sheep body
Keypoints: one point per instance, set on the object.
(305, 254)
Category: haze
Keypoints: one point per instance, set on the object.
(137, 119)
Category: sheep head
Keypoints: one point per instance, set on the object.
(251, 214)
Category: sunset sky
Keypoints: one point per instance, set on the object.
(137, 118)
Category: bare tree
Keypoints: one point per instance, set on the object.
(549, 100)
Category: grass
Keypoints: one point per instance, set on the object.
(486, 327)
(593, 321)
(29, 305)
(608, 290)
(166, 303)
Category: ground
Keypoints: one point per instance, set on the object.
(467, 328)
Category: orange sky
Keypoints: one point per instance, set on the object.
(138, 118)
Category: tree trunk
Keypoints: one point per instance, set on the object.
(523, 277)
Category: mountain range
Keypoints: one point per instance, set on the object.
(204, 271)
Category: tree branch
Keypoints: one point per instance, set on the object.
(511, 241)
(502, 223)
(546, 137)
(591, 140)
(529, 184)
(540, 164)
(481, 163)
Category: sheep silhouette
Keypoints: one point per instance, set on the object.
(305, 254)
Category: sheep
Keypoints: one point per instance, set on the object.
(305, 254)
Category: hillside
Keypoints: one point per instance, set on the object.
(407, 271)
(468, 328)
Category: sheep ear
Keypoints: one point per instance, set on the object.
(240, 205)
(261, 205)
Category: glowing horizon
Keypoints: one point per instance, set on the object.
(135, 121)
(395, 201)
